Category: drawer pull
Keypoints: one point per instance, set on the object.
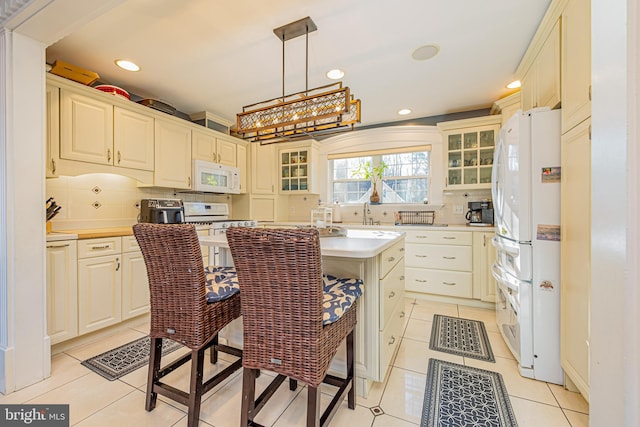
(421, 256)
(392, 294)
(421, 237)
(107, 246)
(58, 246)
(421, 280)
(391, 259)
(392, 340)
(449, 238)
(449, 283)
(449, 257)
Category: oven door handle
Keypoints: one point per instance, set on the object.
(510, 282)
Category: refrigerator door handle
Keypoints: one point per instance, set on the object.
(504, 279)
(510, 249)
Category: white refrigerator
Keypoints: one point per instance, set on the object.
(526, 200)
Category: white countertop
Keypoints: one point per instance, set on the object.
(357, 243)
(437, 227)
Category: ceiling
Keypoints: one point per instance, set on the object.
(217, 56)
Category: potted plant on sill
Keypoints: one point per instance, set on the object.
(374, 174)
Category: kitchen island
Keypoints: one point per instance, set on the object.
(376, 257)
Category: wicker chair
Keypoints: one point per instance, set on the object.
(280, 277)
(180, 312)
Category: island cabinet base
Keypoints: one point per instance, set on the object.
(381, 315)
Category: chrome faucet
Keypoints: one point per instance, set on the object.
(365, 211)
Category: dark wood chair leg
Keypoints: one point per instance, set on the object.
(313, 407)
(293, 384)
(155, 353)
(195, 387)
(351, 369)
(248, 396)
(213, 353)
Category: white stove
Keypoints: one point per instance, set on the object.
(213, 219)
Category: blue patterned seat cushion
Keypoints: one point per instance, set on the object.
(222, 282)
(339, 295)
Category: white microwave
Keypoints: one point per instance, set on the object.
(215, 178)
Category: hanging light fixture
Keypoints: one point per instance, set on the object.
(322, 110)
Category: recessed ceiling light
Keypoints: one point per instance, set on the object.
(127, 65)
(404, 112)
(514, 84)
(425, 52)
(335, 74)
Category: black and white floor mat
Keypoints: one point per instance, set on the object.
(462, 337)
(462, 396)
(122, 360)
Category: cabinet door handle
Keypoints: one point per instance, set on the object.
(392, 340)
(53, 166)
(106, 246)
(391, 259)
(402, 314)
(188, 181)
(401, 249)
(392, 294)
(58, 246)
(401, 277)
(117, 264)
(119, 157)
(449, 283)
(484, 240)
(449, 257)
(421, 280)
(108, 154)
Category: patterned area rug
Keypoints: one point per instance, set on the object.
(119, 361)
(462, 396)
(463, 337)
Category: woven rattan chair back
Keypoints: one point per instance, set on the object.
(180, 312)
(280, 277)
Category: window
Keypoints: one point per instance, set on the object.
(405, 180)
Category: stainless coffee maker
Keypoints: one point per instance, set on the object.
(161, 211)
(480, 213)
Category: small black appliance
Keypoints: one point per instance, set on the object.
(480, 213)
(161, 211)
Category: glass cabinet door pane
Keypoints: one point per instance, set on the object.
(455, 177)
(303, 184)
(485, 175)
(487, 138)
(286, 171)
(285, 184)
(302, 157)
(470, 158)
(455, 159)
(486, 157)
(455, 142)
(471, 175)
(285, 158)
(470, 140)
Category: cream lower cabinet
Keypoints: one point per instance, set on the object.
(484, 255)
(440, 262)
(99, 283)
(391, 304)
(62, 290)
(135, 284)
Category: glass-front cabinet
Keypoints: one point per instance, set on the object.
(470, 145)
(296, 171)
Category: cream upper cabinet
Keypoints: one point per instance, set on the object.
(53, 130)
(541, 82)
(264, 163)
(576, 63)
(484, 255)
(133, 139)
(172, 155)
(469, 145)
(209, 147)
(575, 270)
(241, 163)
(86, 128)
(62, 290)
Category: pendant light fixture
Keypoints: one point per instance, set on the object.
(322, 110)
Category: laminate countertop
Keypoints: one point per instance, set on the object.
(90, 233)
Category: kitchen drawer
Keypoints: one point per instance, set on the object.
(390, 257)
(441, 257)
(391, 292)
(440, 237)
(99, 247)
(440, 282)
(390, 339)
(130, 244)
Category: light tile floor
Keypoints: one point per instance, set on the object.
(96, 402)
